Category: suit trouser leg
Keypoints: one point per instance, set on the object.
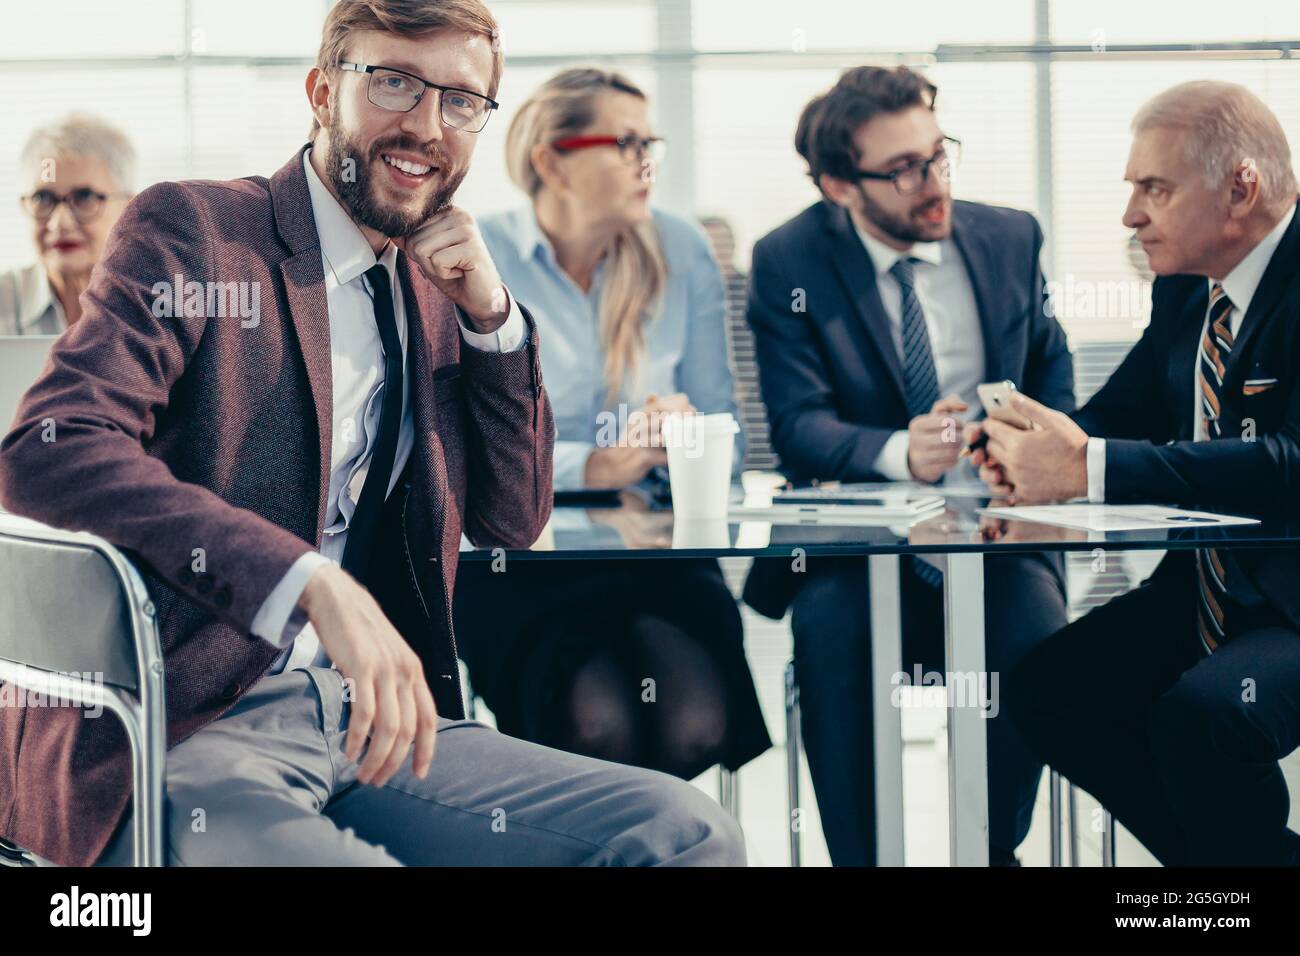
(248, 789)
(1083, 702)
(832, 664)
(1217, 735)
(272, 786)
(1024, 605)
(495, 800)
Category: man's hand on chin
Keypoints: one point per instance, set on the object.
(450, 251)
(1046, 464)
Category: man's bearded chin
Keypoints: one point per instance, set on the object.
(905, 228)
(357, 191)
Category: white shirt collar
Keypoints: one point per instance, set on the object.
(884, 256)
(346, 251)
(37, 298)
(1241, 283)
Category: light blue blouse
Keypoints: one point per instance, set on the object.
(685, 341)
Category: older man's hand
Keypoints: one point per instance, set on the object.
(1048, 463)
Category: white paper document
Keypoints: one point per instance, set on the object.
(1094, 517)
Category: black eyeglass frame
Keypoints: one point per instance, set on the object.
(942, 155)
(442, 91)
(29, 200)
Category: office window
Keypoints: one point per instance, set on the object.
(1093, 104)
(813, 25)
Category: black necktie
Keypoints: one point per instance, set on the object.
(365, 519)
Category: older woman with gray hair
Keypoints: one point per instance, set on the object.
(80, 173)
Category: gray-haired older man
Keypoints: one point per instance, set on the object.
(1174, 703)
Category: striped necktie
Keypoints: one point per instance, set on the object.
(920, 380)
(1211, 566)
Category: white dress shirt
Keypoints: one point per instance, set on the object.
(357, 379)
(28, 305)
(1240, 285)
(952, 320)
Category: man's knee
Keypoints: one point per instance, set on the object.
(1199, 714)
(1024, 606)
(830, 623)
(679, 824)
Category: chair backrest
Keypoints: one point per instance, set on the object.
(759, 454)
(71, 603)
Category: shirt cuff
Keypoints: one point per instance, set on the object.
(279, 619)
(1096, 470)
(891, 462)
(571, 464)
(512, 335)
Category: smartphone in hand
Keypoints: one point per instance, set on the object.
(996, 399)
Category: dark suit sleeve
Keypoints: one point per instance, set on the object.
(76, 456)
(807, 431)
(1256, 475)
(1049, 365)
(1142, 465)
(510, 445)
(1131, 405)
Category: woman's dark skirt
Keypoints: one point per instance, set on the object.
(525, 630)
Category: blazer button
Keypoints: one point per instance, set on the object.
(222, 598)
(204, 586)
(231, 691)
(185, 575)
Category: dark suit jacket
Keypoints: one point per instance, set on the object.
(185, 433)
(831, 376)
(1146, 414)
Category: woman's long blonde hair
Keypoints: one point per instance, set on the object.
(565, 105)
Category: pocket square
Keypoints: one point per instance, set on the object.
(1253, 386)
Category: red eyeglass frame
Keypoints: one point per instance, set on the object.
(584, 142)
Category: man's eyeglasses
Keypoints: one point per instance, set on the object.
(84, 203)
(633, 148)
(911, 177)
(400, 92)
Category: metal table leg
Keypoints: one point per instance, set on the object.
(792, 731)
(967, 686)
(1054, 814)
(886, 661)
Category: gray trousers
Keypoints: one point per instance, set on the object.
(268, 784)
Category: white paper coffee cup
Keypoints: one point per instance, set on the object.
(700, 450)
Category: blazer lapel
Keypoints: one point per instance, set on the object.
(1185, 360)
(977, 258)
(858, 274)
(1278, 277)
(304, 284)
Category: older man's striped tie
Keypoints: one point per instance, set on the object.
(1211, 568)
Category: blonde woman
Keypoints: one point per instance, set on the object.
(630, 305)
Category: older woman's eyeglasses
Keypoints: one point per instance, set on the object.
(400, 92)
(84, 203)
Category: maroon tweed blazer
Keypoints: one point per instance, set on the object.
(180, 433)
